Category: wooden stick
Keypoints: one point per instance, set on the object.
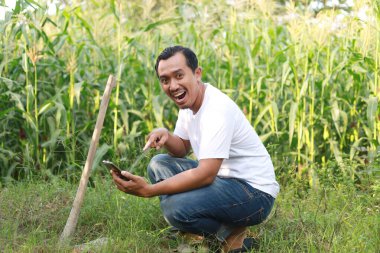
(75, 210)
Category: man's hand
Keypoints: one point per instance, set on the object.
(135, 185)
(157, 138)
(161, 137)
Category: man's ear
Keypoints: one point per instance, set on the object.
(198, 73)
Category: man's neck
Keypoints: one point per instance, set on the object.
(200, 98)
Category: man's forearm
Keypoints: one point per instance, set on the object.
(175, 146)
(188, 180)
(185, 181)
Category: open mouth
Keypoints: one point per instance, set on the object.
(179, 96)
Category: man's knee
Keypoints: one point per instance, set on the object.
(157, 165)
(175, 212)
(158, 161)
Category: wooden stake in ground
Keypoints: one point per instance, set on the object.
(75, 210)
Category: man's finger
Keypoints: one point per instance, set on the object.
(128, 175)
(121, 188)
(147, 145)
(161, 142)
(119, 181)
(118, 184)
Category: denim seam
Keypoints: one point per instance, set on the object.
(234, 205)
(244, 188)
(260, 211)
(251, 196)
(225, 206)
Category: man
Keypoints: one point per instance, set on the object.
(231, 185)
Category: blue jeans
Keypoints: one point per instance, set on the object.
(213, 210)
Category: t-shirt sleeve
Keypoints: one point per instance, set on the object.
(180, 128)
(217, 131)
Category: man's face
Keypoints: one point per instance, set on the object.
(180, 83)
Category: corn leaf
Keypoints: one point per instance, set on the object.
(292, 120)
(372, 108)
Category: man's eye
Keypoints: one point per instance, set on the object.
(179, 75)
(164, 81)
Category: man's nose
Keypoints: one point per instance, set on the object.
(173, 85)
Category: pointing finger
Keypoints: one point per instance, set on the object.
(147, 145)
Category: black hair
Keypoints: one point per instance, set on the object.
(191, 58)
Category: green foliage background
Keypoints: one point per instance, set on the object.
(308, 82)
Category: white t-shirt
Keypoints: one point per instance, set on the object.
(220, 130)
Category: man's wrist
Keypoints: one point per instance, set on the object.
(150, 191)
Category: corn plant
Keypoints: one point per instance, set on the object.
(307, 82)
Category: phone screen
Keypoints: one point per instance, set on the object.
(115, 169)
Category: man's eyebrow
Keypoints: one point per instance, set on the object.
(176, 71)
(172, 72)
(162, 77)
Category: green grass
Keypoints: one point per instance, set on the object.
(308, 88)
(337, 216)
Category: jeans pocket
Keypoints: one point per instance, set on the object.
(249, 190)
(257, 207)
(253, 218)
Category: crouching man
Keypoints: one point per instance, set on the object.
(231, 185)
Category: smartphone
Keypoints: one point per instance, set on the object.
(115, 169)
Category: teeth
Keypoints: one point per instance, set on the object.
(178, 94)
